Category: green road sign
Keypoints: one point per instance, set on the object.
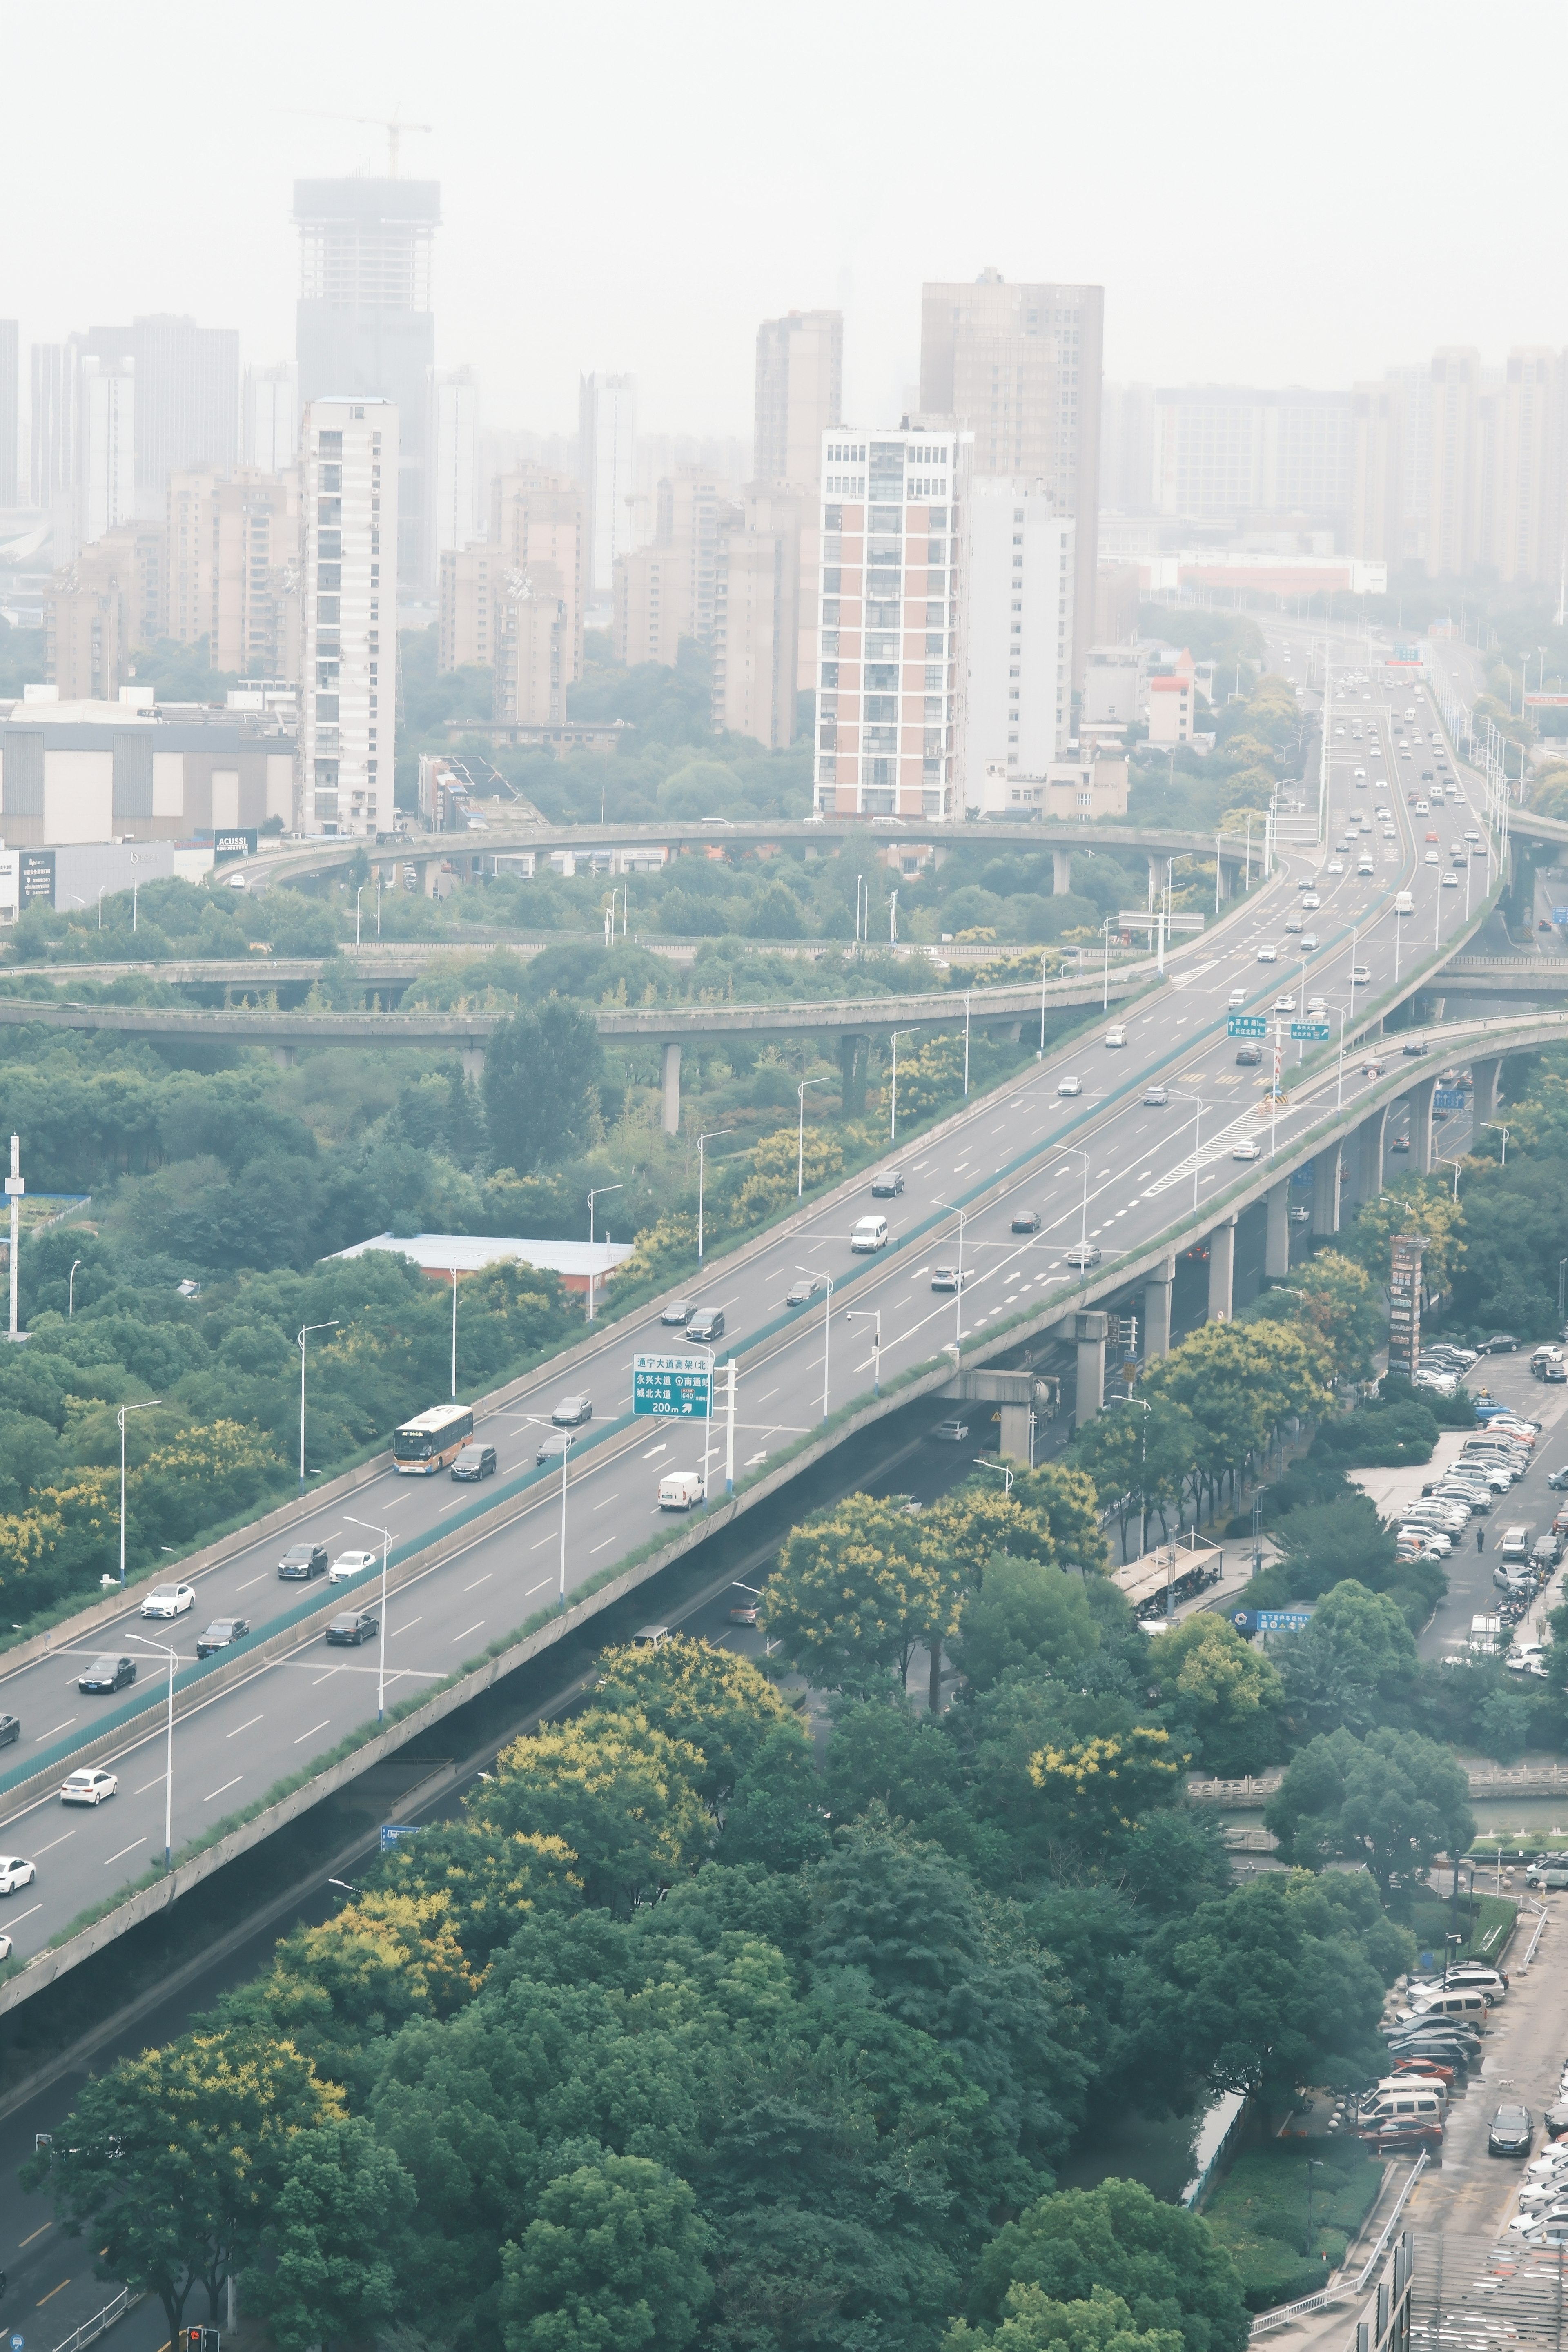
(1314, 1032)
(675, 1387)
(1248, 1025)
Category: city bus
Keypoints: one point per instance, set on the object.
(432, 1441)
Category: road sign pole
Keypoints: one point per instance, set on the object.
(730, 1441)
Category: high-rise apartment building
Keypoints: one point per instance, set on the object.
(51, 423)
(1376, 528)
(1234, 454)
(1453, 520)
(351, 477)
(270, 435)
(1523, 534)
(231, 572)
(891, 671)
(800, 394)
(1127, 449)
(105, 465)
(757, 619)
(366, 328)
(532, 648)
(537, 517)
(652, 604)
(100, 608)
(1020, 367)
(472, 582)
(187, 400)
(454, 479)
(668, 589)
(10, 410)
(608, 467)
(1019, 562)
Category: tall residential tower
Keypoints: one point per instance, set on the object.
(349, 502)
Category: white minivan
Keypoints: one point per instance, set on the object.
(870, 1234)
(679, 1490)
(1117, 1034)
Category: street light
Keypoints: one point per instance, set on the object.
(1197, 1136)
(123, 1410)
(1071, 1150)
(872, 1315)
(593, 1196)
(1504, 1131)
(455, 1330)
(1146, 1408)
(71, 1291)
(168, 1650)
(961, 1215)
(800, 1137)
(826, 1324)
(967, 1042)
(381, 1668)
(893, 1114)
(565, 1457)
(359, 894)
(305, 1329)
(1004, 1467)
(1045, 954)
(1449, 1162)
(702, 1142)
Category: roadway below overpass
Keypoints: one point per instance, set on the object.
(1136, 1183)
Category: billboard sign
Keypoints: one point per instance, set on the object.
(677, 1388)
(241, 844)
(35, 878)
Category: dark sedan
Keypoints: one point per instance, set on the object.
(106, 1675)
(220, 1634)
(1026, 1221)
(353, 1628)
(1512, 2130)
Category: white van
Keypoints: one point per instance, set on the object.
(1515, 1544)
(679, 1490)
(1395, 2085)
(1403, 904)
(870, 1234)
(1458, 2001)
(1117, 1034)
(1401, 2105)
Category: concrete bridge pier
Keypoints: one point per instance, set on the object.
(283, 1055)
(1420, 1101)
(1222, 1272)
(853, 1059)
(1277, 1236)
(1157, 1288)
(1061, 872)
(671, 1077)
(1486, 1077)
(1326, 1190)
(1368, 1156)
(473, 1060)
(1088, 1330)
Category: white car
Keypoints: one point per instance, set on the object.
(1335, 866)
(1069, 1086)
(14, 1873)
(1237, 998)
(169, 1601)
(1285, 1004)
(1450, 881)
(351, 1563)
(89, 1787)
(1268, 955)
(1246, 1150)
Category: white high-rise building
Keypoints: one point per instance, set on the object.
(453, 471)
(347, 700)
(1019, 559)
(270, 434)
(106, 447)
(607, 464)
(891, 671)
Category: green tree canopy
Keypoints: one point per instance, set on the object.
(1393, 1800)
(1352, 1665)
(542, 1072)
(334, 2234)
(1157, 2259)
(1032, 2322)
(1024, 1616)
(711, 1700)
(612, 2261)
(624, 1798)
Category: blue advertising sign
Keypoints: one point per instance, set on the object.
(1271, 1621)
(1315, 1031)
(1246, 1024)
(675, 1387)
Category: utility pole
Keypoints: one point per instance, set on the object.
(14, 1188)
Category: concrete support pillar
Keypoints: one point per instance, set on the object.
(1277, 1239)
(1222, 1271)
(284, 1056)
(1015, 1432)
(1157, 1288)
(1089, 1330)
(473, 1063)
(1223, 892)
(854, 1054)
(1326, 1190)
(1157, 880)
(1420, 1101)
(1061, 872)
(672, 1090)
(1486, 1075)
(1368, 1156)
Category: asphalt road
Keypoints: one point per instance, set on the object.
(1101, 1166)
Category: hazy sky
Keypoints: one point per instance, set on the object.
(1268, 194)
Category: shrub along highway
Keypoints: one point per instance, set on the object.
(1101, 1165)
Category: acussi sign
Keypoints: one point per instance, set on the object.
(235, 843)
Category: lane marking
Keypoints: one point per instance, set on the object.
(474, 1627)
(54, 1841)
(479, 1581)
(26, 1914)
(59, 1726)
(226, 1786)
(125, 1850)
(315, 1728)
(537, 1588)
(602, 1546)
(241, 1727)
(51, 2295)
(155, 1783)
(36, 2234)
(255, 1580)
(407, 1629)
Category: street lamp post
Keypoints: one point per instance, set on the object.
(381, 1666)
(967, 1044)
(1197, 1136)
(1044, 955)
(702, 1142)
(800, 1137)
(1004, 1467)
(70, 1292)
(1504, 1131)
(961, 1215)
(123, 1410)
(1105, 989)
(893, 1093)
(872, 1315)
(359, 894)
(565, 1457)
(454, 1331)
(168, 1650)
(593, 1196)
(1448, 1161)
(827, 1326)
(305, 1330)
(1146, 1408)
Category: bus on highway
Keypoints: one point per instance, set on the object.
(432, 1441)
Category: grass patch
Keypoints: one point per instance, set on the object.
(1258, 2213)
(1486, 1923)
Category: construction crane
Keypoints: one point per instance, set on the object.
(392, 126)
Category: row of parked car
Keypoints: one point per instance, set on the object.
(1434, 2038)
(1486, 1465)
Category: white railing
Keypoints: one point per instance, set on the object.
(1341, 2284)
(1540, 1931)
(1400, 2202)
(100, 2323)
(1284, 2313)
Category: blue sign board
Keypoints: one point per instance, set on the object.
(1449, 1099)
(392, 1830)
(1271, 1621)
(1246, 1024)
(1560, 916)
(675, 1387)
(1315, 1031)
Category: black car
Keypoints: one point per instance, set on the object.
(677, 1313)
(1249, 1056)
(809, 1287)
(706, 1325)
(1501, 1343)
(106, 1675)
(353, 1628)
(571, 1412)
(10, 1729)
(887, 1185)
(475, 1462)
(220, 1634)
(1026, 1221)
(1415, 1049)
(1512, 2131)
(302, 1562)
